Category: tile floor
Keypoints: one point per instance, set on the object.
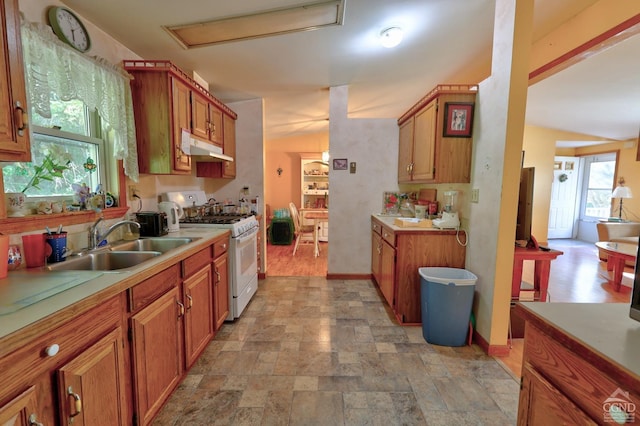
(308, 351)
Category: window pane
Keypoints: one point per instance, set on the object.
(18, 175)
(598, 202)
(601, 174)
(68, 116)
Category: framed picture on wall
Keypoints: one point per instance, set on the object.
(340, 164)
(458, 119)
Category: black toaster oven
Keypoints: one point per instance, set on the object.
(152, 224)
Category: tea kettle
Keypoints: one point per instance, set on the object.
(174, 212)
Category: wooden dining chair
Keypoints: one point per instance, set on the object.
(303, 233)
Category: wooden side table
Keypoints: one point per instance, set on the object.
(542, 259)
(617, 256)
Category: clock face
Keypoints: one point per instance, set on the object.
(69, 29)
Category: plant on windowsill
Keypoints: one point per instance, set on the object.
(48, 170)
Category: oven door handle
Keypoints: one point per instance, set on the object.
(247, 235)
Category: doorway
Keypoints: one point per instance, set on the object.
(581, 195)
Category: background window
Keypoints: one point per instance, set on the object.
(598, 183)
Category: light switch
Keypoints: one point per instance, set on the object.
(352, 167)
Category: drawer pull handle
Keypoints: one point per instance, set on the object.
(181, 310)
(77, 404)
(52, 350)
(190, 301)
(217, 276)
(20, 118)
(33, 421)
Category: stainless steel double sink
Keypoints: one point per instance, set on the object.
(121, 255)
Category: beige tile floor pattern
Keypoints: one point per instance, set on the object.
(308, 351)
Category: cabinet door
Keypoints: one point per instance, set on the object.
(216, 131)
(229, 130)
(157, 353)
(542, 404)
(424, 143)
(21, 411)
(198, 324)
(387, 273)
(14, 135)
(199, 116)
(405, 151)
(376, 256)
(181, 102)
(91, 387)
(221, 289)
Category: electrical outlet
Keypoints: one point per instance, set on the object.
(133, 190)
(475, 195)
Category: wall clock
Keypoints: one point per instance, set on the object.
(68, 27)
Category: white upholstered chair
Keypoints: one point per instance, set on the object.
(303, 233)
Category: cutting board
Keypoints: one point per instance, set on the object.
(427, 194)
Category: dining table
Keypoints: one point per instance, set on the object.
(318, 216)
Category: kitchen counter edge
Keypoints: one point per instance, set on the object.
(48, 314)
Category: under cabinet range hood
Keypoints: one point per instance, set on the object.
(204, 151)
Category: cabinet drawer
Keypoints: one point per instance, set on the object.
(376, 227)
(389, 236)
(584, 381)
(32, 360)
(194, 263)
(150, 289)
(220, 247)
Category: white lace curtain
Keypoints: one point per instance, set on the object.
(52, 66)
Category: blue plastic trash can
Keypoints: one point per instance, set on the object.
(446, 296)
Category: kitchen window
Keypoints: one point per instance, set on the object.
(71, 134)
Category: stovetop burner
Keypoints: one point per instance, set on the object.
(220, 219)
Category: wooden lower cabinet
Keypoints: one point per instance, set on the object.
(22, 410)
(397, 254)
(92, 385)
(564, 379)
(157, 353)
(76, 371)
(199, 312)
(221, 289)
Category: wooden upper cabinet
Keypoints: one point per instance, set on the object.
(167, 101)
(14, 135)
(207, 120)
(425, 155)
(216, 131)
(222, 169)
(181, 121)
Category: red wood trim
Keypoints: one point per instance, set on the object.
(614, 35)
(491, 350)
(168, 66)
(349, 276)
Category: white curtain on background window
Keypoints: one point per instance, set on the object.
(52, 66)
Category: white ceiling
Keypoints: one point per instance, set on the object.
(292, 72)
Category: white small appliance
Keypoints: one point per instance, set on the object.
(174, 213)
(448, 220)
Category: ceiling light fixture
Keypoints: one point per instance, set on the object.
(391, 37)
(302, 17)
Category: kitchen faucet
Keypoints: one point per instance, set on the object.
(94, 232)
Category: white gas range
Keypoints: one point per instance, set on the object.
(243, 246)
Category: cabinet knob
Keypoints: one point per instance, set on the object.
(52, 350)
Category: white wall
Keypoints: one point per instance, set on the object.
(373, 145)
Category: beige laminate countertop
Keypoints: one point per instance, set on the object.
(94, 286)
(389, 221)
(605, 328)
